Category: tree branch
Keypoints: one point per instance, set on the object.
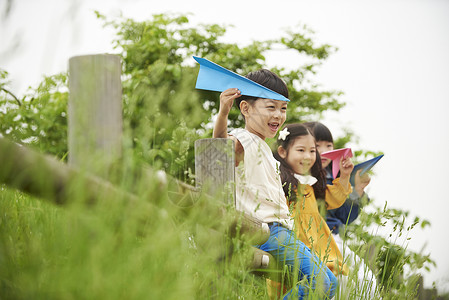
(12, 95)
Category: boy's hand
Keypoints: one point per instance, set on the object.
(227, 100)
(221, 123)
(360, 182)
(346, 167)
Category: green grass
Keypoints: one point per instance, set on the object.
(130, 250)
(117, 250)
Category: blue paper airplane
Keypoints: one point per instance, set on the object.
(213, 77)
(365, 166)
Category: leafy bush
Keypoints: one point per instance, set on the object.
(38, 119)
(158, 95)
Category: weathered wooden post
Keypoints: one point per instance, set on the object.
(215, 173)
(95, 120)
(214, 167)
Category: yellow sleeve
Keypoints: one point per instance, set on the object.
(336, 195)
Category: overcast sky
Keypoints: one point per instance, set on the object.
(392, 65)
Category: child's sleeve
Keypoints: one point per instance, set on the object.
(336, 194)
(241, 143)
(241, 136)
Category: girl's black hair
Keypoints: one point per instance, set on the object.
(267, 79)
(320, 131)
(289, 182)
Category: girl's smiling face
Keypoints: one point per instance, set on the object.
(300, 155)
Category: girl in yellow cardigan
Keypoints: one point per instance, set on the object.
(305, 188)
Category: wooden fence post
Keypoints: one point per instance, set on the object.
(215, 173)
(214, 167)
(95, 112)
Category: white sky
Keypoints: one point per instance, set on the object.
(392, 64)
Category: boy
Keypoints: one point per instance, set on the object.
(259, 190)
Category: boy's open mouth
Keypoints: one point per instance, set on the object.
(274, 126)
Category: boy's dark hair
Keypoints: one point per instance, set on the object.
(269, 80)
(289, 182)
(320, 132)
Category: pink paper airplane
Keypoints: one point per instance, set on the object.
(336, 156)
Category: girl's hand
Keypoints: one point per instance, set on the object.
(227, 100)
(360, 182)
(346, 167)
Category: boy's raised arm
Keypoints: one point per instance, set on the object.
(221, 123)
(221, 126)
(361, 181)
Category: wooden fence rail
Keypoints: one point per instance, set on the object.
(47, 178)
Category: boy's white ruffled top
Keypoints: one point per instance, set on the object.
(259, 190)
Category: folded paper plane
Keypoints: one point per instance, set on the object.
(336, 156)
(213, 77)
(365, 167)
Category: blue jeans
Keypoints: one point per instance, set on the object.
(288, 250)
